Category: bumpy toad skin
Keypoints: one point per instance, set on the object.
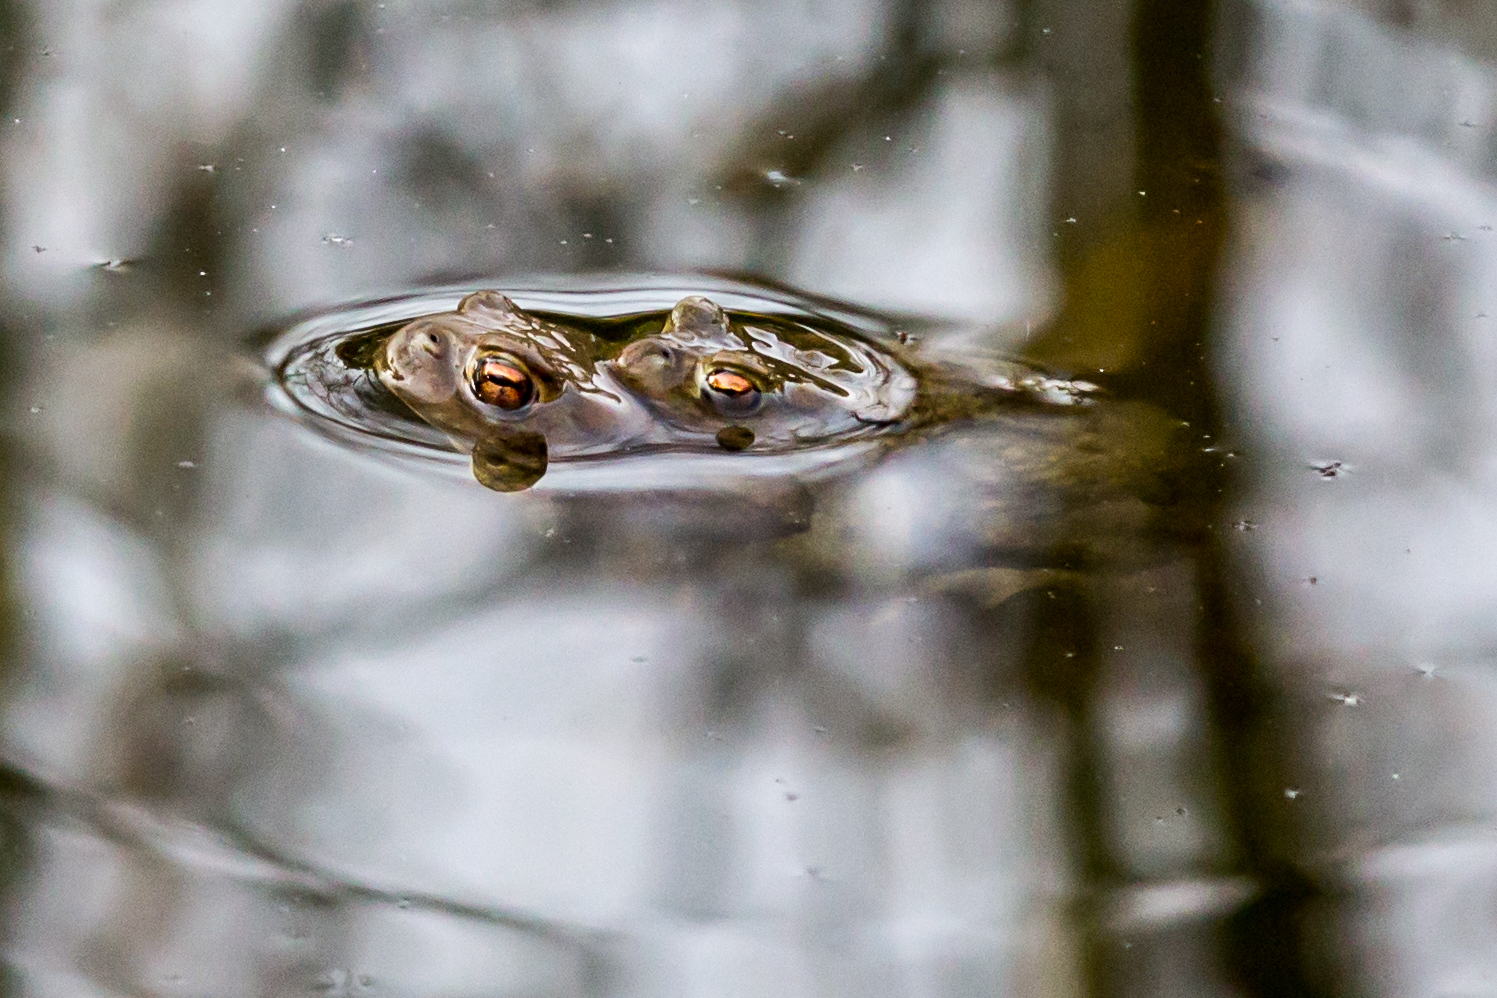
(518, 390)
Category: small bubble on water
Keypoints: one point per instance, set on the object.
(35, 409)
(1244, 526)
(1349, 699)
(1291, 793)
(187, 464)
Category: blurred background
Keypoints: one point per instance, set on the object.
(278, 718)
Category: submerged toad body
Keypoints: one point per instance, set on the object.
(520, 389)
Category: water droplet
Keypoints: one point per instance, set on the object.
(187, 464)
(1350, 699)
(1291, 793)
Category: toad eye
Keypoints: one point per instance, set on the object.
(502, 381)
(731, 391)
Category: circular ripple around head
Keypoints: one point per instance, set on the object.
(348, 405)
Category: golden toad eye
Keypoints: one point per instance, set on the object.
(731, 392)
(502, 382)
(730, 383)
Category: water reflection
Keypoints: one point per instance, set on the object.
(290, 717)
(1004, 705)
